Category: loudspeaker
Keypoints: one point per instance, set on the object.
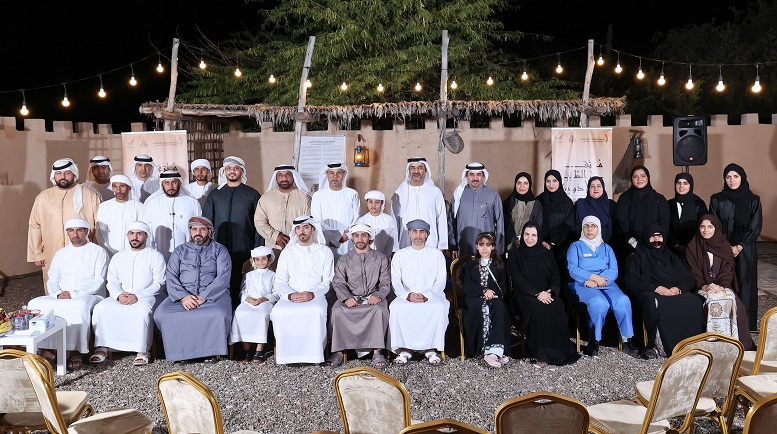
(690, 141)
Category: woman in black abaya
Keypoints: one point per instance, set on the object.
(685, 209)
(637, 208)
(519, 208)
(558, 220)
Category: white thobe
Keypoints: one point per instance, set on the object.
(130, 327)
(418, 326)
(300, 328)
(141, 190)
(337, 211)
(200, 192)
(384, 231)
(81, 272)
(112, 220)
(425, 203)
(250, 323)
(168, 218)
(103, 190)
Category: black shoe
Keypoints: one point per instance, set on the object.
(650, 353)
(592, 349)
(630, 349)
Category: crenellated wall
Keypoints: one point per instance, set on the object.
(26, 157)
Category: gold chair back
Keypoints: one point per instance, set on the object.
(189, 405)
(762, 417)
(44, 389)
(18, 394)
(541, 412)
(371, 402)
(448, 426)
(767, 342)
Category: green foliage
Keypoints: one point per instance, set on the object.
(366, 42)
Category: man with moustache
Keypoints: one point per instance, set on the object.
(52, 207)
(167, 213)
(287, 196)
(114, 216)
(336, 206)
(123, 321)
(99, 177)
(201, 187)
(418, 198)
(144, 178)
(475, 208)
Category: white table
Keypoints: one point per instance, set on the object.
(59, 330)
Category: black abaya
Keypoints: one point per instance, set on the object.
(474, 333)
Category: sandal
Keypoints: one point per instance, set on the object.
(99, 355)
(504, 360)
(378, 361)
(75, 363)
(433, 358)
(492, 360)
(211, 360)
(335, 360)
(140, 360)
(259, 357)
(402, 358)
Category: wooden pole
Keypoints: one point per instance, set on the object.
(443, 115)
(169, 124)
(589, 72)
(303, 93)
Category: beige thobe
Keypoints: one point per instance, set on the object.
(276, 212)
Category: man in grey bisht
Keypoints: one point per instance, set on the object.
(475, 208)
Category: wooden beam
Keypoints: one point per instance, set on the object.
(303, 94)
(589, 72)
(442, 117)
(169, 124)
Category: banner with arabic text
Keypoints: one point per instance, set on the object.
(580, 153)
(167, 148)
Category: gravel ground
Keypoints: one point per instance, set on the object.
(281, 399)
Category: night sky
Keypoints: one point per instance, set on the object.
(47, 43)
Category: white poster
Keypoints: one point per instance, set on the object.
(580, 153)
(167, 148)
(316, 152)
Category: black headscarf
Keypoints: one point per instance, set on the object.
(599, 208)
(689, 197)
(640, 196)
(554, 201)
(742, 197)
(535, 266)
(666, 268)
(535, 250)
(529, 196)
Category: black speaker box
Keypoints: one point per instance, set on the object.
(689, 141)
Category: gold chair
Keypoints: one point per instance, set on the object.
(189, 405)
(450, 426)
(19, 408)
(761, 419)
(540, 412)
(764, 359)
(371, 402)
(675, 393)
(457, 291)
(120, 421)
(726, 357)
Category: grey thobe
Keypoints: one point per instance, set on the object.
(479, 210)
(359, 276)
(200, 332)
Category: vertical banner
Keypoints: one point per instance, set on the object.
(315, 152)
(167, 148)
(580, 153)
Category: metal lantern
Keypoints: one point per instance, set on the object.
(361, 155)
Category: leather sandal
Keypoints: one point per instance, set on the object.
(99, 355)
(402, 358)
(335, 360)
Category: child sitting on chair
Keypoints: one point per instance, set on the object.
(252, 316)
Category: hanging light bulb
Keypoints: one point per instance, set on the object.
(525, 75)
(272, 79)
(159, 67)
(600, 61)
(661, 79)
(308, 84)
(65, 101)
(344, 86)
(132, 81)
(559, 69)
(454, 85)
(720, 87)
(101, 93)
(757, 85)
(202, 63)
(618, 68)
(380, 87)
(490, 81)
(24, 111)
(689, 85)
(237, 72)
(418, 86)
(640, 74)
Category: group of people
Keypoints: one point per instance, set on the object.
(124, 253)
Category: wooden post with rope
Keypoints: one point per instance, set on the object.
(173, 83)
(303, 93)
(442, 116)
(589, 72)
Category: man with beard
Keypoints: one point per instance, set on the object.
(144, 178)
(417, 198)
(124, 320)
(475, 208)
(201, 187)
(360, 316)
(231, 208)
(286, 196)
(99, 177)
(52, 207)
(76, 284)
(335, 206)
(305, 270)
(419, 314)
(114, 216)
(167, 213)
(195, 318)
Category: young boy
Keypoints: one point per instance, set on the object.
(384, 226)
(252, 316)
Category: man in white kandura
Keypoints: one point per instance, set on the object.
(114, 216)
(305, 270)
(99, 177)
(144, 178)
(202, 185)
(167, 213)
(384, 226)
(286, 196)
(418, 198)
(124, 320)
(419, 315)
(336, 206)
(76, 284)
